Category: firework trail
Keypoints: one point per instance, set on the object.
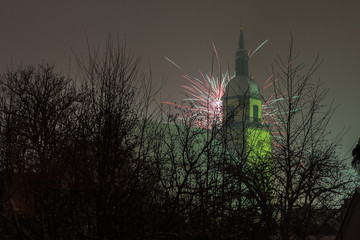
(250, 55)
(204, 97)
(205, 100)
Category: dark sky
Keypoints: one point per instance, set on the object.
(45, 31)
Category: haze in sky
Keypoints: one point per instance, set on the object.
(39, 31)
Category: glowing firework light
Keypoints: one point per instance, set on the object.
(205, 104)
(204, 97)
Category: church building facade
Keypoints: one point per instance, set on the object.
(242, 111)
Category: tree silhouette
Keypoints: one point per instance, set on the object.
(96, 160)
(310, 183)
(356, 157)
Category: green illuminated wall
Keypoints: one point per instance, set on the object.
(249, 139)
(258, 143)
(245, 126)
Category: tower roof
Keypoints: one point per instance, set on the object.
(241, 60)
(241, 39)
(241, 84)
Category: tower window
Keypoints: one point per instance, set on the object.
(256, 113)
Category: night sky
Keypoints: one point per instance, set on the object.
(35, 32)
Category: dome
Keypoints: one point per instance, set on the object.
(242, 86)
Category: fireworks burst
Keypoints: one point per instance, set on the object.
(205, 100)
(204, 97)
(205, 104)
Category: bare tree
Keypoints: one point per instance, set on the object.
(309, 178)
(36, 108)
(100, 162)
(78, 163)
(356, 157)
(114, 141)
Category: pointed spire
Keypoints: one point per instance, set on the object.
(241, 62)
(241, 40)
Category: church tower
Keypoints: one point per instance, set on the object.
(242, 109)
